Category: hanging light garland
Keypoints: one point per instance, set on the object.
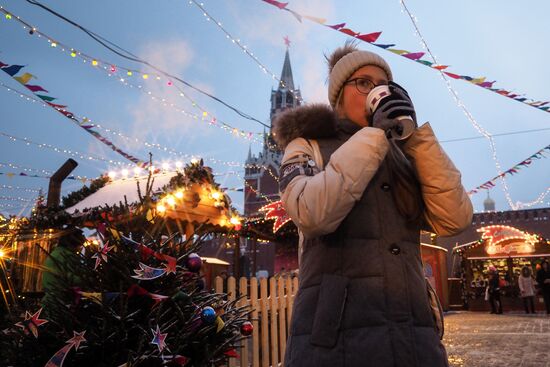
(69, 152)
(246, 50)
(122, 74)
(461, 104)
(25, 189)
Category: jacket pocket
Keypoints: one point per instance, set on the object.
(329, 310)
(437, 310)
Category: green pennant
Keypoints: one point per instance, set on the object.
(46, 98)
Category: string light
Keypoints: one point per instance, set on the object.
(461, 104)
(538, 200)
(69, 152)
(26, 189)
(245, 49)
(112, 69)
(26, 169)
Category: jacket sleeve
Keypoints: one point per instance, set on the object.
(448, 207)
(317, 203)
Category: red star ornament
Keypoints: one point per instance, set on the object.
(276, 211)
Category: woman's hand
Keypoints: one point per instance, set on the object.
(395, 105)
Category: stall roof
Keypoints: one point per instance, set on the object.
(213, 260)
(114, 192)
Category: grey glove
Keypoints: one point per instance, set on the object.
(398, 103)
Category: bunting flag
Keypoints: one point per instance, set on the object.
(414, 56)
(12, 70)
(59, 357)
(525, 163)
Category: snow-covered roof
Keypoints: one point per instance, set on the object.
(114, 192)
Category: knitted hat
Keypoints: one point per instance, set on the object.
(345, 61)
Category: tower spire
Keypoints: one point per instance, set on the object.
(286, 74)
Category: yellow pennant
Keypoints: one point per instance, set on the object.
(24, 79)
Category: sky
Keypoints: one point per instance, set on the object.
(502, 40)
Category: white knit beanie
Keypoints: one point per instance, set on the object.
(347, 65)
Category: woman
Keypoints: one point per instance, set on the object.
(543, 280)
(363, 299)
(526, 285)
(494, 290)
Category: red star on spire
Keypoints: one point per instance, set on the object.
(287, 41)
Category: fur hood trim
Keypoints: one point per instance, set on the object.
(314, 121)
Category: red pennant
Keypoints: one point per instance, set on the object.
(440, 67)
(337, 26)
(35, 88)
(371, 37)
(56, 106)
(348, 31)
(136, 290)
(278, 4)
(454, 76)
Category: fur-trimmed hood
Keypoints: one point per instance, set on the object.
(313, 121)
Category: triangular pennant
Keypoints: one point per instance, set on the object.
(46, 98)
(454, 76)
(371, 37)
(278, 4)
(399, 52)
(13, 69)
(315, 19)
(337, 26)
(24, 79)
(296, 15)
(414, 55)
(384, 46)
(349, 32)
(35, 88)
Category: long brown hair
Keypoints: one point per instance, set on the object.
(407, 192)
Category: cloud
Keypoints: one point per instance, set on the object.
(161, 111)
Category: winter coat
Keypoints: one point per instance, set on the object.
(362, 298)
(526, 286)
(542, 275)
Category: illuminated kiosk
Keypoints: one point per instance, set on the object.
(508, 249)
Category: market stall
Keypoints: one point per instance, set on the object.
(508, 249)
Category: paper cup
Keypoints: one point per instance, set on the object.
(375, 96)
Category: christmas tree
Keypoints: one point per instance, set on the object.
(121, 302)
(133, 296)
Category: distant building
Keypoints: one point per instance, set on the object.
(261, 187)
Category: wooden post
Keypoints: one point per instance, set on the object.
(265, 323)
(237, 259)
(231, 295)
(255, 324)
(289, 302)
(273, 326)
(254, 256)
(243, 292)
(282, 317)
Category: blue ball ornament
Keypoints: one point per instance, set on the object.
(208, 315)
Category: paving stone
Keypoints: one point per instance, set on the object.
(477, 339)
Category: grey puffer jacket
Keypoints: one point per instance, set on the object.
(362, 299)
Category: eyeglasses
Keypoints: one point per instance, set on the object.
(363, 85)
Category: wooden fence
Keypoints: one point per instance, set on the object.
(271, 303)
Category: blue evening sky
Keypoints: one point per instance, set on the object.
(502, 40)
